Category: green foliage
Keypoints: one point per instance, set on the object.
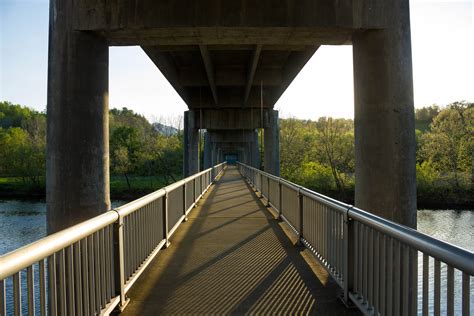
(424, 116)
(23, 143)
(137, 148)
(317, 176)
(308, 148)
(449, 145)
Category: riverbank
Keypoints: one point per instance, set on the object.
(17, 188)
(22, 189)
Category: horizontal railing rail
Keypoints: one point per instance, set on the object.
(88, 269)
(375, 261)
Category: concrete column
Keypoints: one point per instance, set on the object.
(271, 142)
(255, 150)
(384, 118)
(77, 162)
(207, 151)
(191, 145)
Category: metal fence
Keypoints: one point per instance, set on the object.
(88, 269)
(375, 261)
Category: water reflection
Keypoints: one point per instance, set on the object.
(23, 222)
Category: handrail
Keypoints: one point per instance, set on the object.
(123, 241)
(27, 255)
(350, 241)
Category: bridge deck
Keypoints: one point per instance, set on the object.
(232, 256)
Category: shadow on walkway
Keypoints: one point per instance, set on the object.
(233, 257)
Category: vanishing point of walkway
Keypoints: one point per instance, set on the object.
(234, 257)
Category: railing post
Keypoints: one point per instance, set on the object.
(194, 193)
(119, 263)
(349, 255)
(280, 213)
(165, 220)
(268, 191)
(184, 202)
(300, 210)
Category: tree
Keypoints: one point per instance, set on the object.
(126, 147)
(293, 144)
(335, 147)
(449, 145)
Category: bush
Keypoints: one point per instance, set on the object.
(317, 177)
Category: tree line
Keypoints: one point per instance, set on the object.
(320, 154)
(138, 148)
(316, 154)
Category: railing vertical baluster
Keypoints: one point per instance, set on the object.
(91, 281)
(78, 278)
(70, 281)
(52, 292)
(406, 281)
(3, 298)
(356, 254)
(103, 271)
(17, 293)
(383, 271)
(437, 287)
(98, 273)
(62, 282)
(370, 268)
(390, 275)
(30, 279)
(426, 284)
(376, 273)
(397, 270)
(42, 288)
(465, 294)
(450, 291)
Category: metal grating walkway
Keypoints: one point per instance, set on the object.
(233, 257)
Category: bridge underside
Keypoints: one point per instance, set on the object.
(233, 256)
(230, 61)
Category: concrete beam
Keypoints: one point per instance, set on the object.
(293, 36)
(165, 64)
(77, 162)
(296, 61)
(230, 76)
(138, 15)
(251, 72)
(206, 58)
(231, 119)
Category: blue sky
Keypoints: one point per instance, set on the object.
(443, 65)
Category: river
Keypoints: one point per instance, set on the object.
(24, 222)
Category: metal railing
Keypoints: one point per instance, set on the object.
(88, 269)
(374, 260)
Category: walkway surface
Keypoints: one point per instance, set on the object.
(234, 257)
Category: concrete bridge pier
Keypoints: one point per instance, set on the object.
(271, 143)
(77, 164)
(191, 144)
(385, 129)
(384, 118)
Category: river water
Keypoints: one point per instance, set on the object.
(24, 222)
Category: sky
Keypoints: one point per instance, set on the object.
(442, 47)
